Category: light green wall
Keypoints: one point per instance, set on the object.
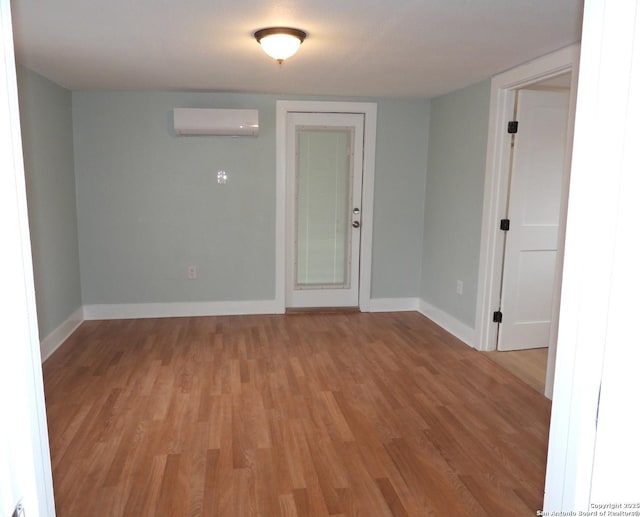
(454, 197)
(149, 204)
(401, 164)
(47, 139)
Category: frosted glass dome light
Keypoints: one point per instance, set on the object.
(280, 42)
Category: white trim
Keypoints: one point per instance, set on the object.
(178, 309)
(24, 443)
(600, 278)
(452, 325)
(496, 179)
(369, 109)
(394, 304)
(59, 335)
(562, 230)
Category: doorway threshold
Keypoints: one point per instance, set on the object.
(321, 310)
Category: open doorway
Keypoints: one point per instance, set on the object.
(531, 228)
(550, 74)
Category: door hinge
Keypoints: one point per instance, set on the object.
(19, 511)
(497, 317)
(504, 224)
(512, 127)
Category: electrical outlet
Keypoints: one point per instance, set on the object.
(192, 272)
(459, 287)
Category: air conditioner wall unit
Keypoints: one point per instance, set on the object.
(205, 121)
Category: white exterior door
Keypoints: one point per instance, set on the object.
(323, 216)
(534, 213)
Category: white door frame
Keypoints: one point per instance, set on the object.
(369, 110)
(24, 427)
(595, 397)
(503, 88)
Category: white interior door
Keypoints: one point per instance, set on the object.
(534, 213)
(323, 216)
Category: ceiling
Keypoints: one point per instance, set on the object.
(377, 48)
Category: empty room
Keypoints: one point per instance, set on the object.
(319, 259)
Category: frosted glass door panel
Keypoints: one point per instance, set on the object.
(323, 203)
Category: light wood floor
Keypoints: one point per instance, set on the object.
(296, 415)
(530, 366)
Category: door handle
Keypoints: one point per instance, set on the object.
(355, 224)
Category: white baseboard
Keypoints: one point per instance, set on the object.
(174, 310)
(167, 310)
(53, 341)
(452, 325)
(393, 304)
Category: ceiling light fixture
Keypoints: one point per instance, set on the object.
(280, 42)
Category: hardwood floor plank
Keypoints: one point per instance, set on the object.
(391, 497)
(497, 501)
(365, 497)
(288, 506)
(432, 481)
(324, 472)
(324, 414)
(173, 496)
(530, 366)
(266, 486)
(243, 493)
(212, 488)
(301, 500)
(142, 501)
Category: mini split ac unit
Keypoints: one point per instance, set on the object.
(233, 122)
